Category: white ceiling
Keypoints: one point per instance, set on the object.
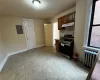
(25, 8)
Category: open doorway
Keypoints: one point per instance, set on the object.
(48, 34)
(55, 32)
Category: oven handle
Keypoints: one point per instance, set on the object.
(62, 44)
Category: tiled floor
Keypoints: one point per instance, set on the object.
(41, 64)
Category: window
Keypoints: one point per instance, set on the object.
(94, 33)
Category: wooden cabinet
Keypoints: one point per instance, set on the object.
(57, 45)
(59, 23)
(66, 19)
(71, 17)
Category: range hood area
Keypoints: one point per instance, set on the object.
(67, 20)
(68, 24)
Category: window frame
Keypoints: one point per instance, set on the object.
(91, 24)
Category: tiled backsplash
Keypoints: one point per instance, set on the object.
(67, 31)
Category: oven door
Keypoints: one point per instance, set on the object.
(61, 48)
(66, 49)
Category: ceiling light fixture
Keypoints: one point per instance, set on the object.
(36, 2)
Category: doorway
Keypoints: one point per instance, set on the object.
(55, 32)
(29, 33)
(48, 34)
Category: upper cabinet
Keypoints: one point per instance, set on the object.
(71, 17)
(59, 23)
(66, 19)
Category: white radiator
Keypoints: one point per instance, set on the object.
(89, 58)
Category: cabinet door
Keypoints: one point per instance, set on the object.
(71, 17)
(61, 48)
(57, 45)
(68, 18)
(64, 19)
(59, 23)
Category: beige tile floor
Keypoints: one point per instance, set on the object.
(42, 64)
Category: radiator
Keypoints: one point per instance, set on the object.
(89, 58)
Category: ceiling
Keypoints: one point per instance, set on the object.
(24, 8)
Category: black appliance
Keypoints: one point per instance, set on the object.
(66, 45)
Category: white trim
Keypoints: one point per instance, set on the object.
(25, 32)
(3, 62)
(91, 48)
(87, 21)
(40, 45)
(13, 53)
(8, 55)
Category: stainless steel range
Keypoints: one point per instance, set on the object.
(66, 45)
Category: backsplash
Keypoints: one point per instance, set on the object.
(67, 31)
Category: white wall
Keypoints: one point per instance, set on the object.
(87, 20)
(80, 25)
(1, 52)
(39, 31)
(10, 41)
(55, 32)
(83, 16)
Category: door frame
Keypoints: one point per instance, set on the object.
(25, 33)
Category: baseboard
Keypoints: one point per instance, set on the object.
(13, 53)
(40, 45)
(8, 55)
(3, 62)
